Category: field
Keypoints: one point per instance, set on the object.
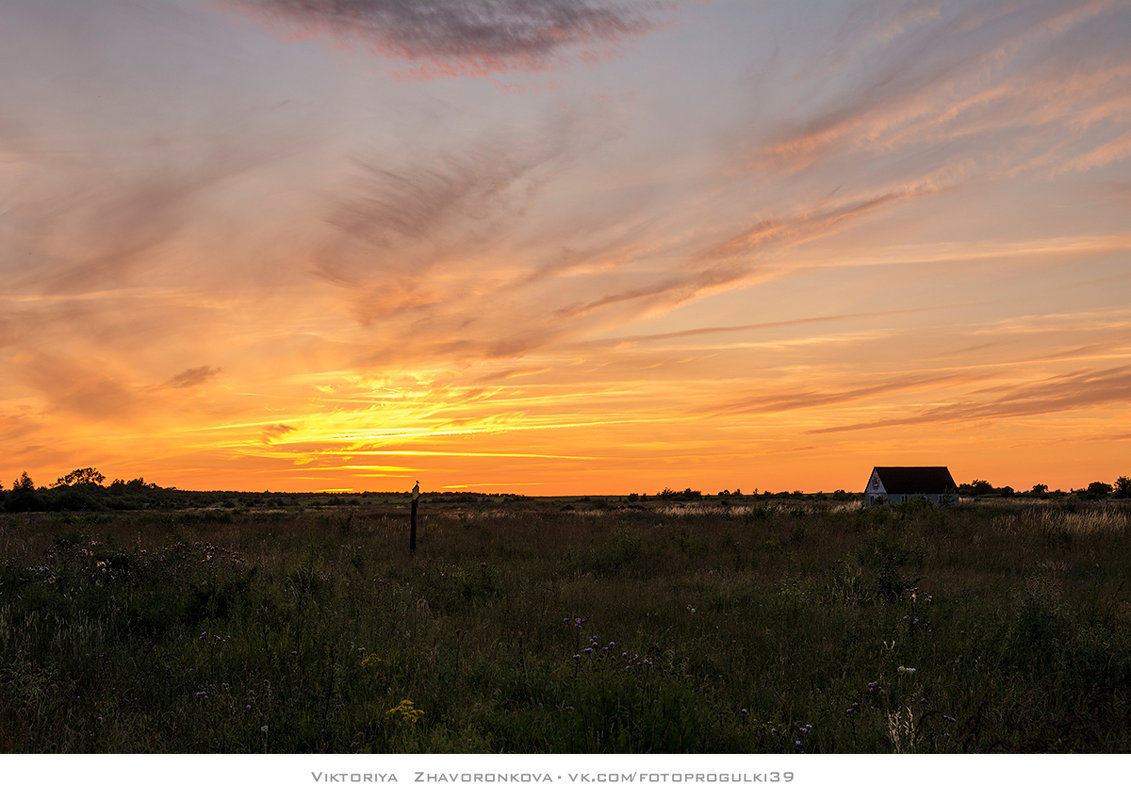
(541, 625)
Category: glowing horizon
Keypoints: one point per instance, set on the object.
(565, 248)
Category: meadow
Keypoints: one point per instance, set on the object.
(541, 626)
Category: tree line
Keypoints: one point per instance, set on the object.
(85, 489)
(1097, 490)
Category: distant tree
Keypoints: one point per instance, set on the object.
(1006, 491)
(23, 497)
(1123, 487)
(977, 487)
(120, 487)
(1098, 489)
(1039, 490)
(83, 477)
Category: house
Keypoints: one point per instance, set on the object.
(898, 484)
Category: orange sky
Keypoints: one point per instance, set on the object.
(564, 248)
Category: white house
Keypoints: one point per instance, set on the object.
(898, 484)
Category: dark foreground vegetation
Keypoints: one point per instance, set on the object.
(721, 625)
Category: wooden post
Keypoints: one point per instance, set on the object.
(412, 530)
(412, 520)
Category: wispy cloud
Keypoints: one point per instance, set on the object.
(77, 389)
(808, 399)
(1082, 389)
(192, 377)
(470, 37)
(275, 431)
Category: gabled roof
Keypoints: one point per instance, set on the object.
(916, 480)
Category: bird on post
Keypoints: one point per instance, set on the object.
(416, 491)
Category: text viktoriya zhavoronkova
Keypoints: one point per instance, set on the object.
(599, 778)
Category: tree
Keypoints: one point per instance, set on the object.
(23, 497)
(1098, 489)
(977, 487)
(83, 477)
(1039, 490)
(1123, 487)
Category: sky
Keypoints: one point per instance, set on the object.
(564, 247)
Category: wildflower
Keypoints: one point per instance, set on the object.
(202, 694)
(903, 669)
(263, 728)
(406, 710)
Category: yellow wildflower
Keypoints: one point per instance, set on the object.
(406, 710)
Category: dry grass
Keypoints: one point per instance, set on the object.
(795, 626)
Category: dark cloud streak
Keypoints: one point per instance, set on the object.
(192, 377)
(470, 37)
(1083, 389)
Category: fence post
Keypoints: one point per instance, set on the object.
(412, 520)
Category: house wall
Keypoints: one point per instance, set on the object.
(871, 497)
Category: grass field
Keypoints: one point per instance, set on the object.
(522, 626)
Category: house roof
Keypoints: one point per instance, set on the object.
(916, 480)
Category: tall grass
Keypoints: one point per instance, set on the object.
(754, 629)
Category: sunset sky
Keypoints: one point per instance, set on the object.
(564, 246)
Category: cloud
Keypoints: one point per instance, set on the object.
(730, 329)
(1083, 389)
(401, 216)
(89, 227)
(77, 387)
(810, 224)
(664, 294)
(274, 431)
(471, 37)
(192, 377)
(793, 401)
(1007, 86)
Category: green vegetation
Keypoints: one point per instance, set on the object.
(747, 624)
